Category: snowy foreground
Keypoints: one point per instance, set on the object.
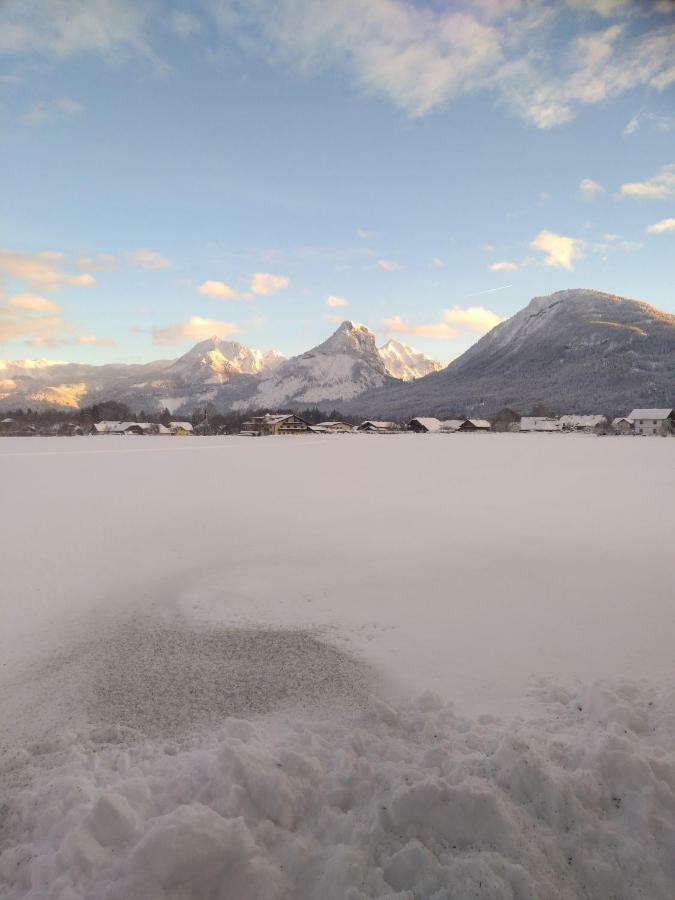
(414, 666)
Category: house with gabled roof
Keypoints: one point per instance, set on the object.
(275, 424)
(370, 426)
(475, 425)
(653, 421)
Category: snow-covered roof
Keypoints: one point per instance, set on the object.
(162, 429)
(383, 425)
(332, 424)
(539, 423)
(451, 424)
(620, 419)
(657, 414)
(428, 422)
(479, 423)
(187, 426)
(576, 421)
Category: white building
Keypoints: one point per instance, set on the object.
(653, 421)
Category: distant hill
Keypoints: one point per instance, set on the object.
(573, 351)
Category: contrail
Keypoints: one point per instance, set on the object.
(490, 290)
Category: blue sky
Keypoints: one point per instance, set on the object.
(263, 170)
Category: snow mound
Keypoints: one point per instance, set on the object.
(416, 801)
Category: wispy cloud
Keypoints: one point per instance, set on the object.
(52, 111)
(589, 189)
(264, 284)
(150, 259)
(217, 289)
(195, 329)
(419, 57)
(559, 251)
(99, 262)
(614, 243)
(504, 266)
(28, 315)
(657, 122)
(42, 270)
(453, 322)
(364, 234)
(260, 284)
(184, 24)
(92, 340)
(661, 227)
(33, 303)
(332, 300)
(63, 28)
(388, 265)
(659, 187)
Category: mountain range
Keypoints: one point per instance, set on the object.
(215, 371)
(572, 351)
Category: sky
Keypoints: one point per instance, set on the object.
(262, 171)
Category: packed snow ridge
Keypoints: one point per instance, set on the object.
(414, 801)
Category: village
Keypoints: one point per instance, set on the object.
(639, 422)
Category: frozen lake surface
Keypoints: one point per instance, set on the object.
(337, 666)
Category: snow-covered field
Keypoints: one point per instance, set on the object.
(415, 666)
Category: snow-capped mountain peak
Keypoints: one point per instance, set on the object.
(343, 366)
(404, 362)
(215, 361)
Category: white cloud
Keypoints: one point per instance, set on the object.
(614, 243)
(659, 187)
(656, 122)
(487, 248)
(332, 300)
(662, 226)
(264, 283)
(455, 321)
(99, 262)
(589, 189)
(364, 234)
(33, 303)
(560, 251)
(388, 265)
(150, 259)
(184, 24)
(195, 329)
(436, 262)
(504, 266)
(47, 111)
(63, 28)
(92, 340)
(18, 322)
(217, 289)
(42, 270)
(419, 57)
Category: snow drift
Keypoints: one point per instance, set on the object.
(417, 801)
